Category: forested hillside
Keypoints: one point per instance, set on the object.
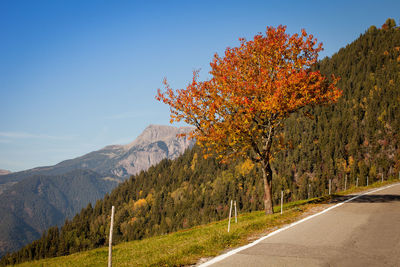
(357, 137)
(38, 202)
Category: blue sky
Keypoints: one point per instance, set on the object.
(76, 76)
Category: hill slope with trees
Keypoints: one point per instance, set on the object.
(38, 202)
(357, 137)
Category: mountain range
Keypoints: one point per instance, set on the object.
(35, 199)
(155, 143)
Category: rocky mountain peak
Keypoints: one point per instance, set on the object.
(154, 144)
(155, 133)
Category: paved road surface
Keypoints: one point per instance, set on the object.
(362, 232)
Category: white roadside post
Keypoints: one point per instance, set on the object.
(281, 201)
(230, 214)
(235, 213)
(382, 177)
(357, 182)
(309, 190)
(330, 185)
(367, 180)
(110, 240)
(345, 183)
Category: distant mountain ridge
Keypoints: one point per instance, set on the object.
(3, 172)
(155, 143)
(5, 184)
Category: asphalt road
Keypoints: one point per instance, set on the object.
(362, 232)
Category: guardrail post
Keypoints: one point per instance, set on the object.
(235, 213)
(230, 214)
(330, 185)
(110, 240)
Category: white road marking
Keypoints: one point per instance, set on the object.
(232, 252)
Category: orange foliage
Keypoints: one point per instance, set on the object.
(253, 88)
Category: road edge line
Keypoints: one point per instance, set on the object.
(236, 250)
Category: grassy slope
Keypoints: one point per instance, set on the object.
(188, 246)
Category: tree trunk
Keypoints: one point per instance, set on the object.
(267, 178)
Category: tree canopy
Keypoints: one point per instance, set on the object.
(253, 89)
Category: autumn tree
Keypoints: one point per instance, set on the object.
(253, 88)
(389, 24)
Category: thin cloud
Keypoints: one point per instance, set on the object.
(122, 141)
(26, 135)
(130, 115)
(125, 115)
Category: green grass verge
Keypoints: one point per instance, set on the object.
(188, 246)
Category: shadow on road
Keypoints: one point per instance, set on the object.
(368, 199)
